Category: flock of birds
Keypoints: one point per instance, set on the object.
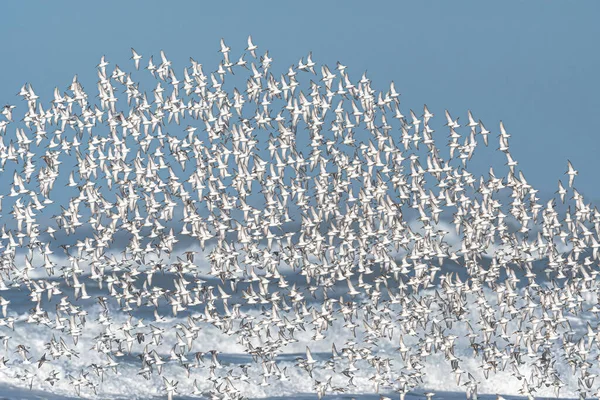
(308, 175)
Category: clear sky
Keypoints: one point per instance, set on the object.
(533, 64)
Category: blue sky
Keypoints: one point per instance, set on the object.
(532, 64)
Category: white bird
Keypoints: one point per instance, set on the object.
(136, 58)
(450, 122)
(571, 172)
(251, 47)
(224, 49)
(103, 63)
(472, 122)
(170, 387)
(309, 358)
(561, 192)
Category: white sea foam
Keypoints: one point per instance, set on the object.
(126, 383)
